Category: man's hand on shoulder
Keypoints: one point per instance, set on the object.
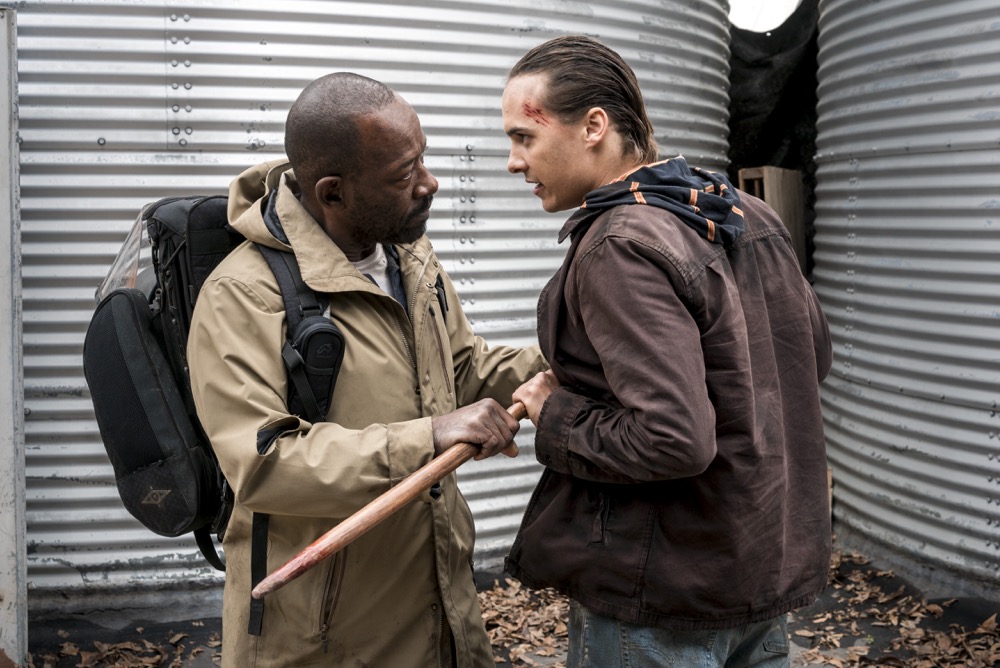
(485, 423)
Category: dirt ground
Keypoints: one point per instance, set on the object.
(866, 617)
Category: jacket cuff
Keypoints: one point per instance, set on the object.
(409, 446)
(556, 419)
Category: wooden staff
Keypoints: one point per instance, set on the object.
(375, 512)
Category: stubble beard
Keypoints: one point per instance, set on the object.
(373, 229)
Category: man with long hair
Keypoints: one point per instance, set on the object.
(683, 507)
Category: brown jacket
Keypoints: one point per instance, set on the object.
(685, 482)
(390, 597)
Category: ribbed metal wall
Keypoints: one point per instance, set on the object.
(907, 248)
(126, 101)
(13, 569)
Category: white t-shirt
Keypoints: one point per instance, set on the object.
(375, 267)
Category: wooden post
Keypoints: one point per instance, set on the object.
(782, 190)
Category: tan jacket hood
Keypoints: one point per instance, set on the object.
(248, 195)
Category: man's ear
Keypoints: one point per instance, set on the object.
(329, 191)
(597, 126)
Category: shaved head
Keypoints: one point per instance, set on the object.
(321, 132)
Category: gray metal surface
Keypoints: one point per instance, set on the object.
(906, 266)
(13, 568)
(126, 101)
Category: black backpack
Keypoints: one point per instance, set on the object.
(135, 363)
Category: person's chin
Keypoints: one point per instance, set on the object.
(411, 234)
(553, 206)
(550, 203)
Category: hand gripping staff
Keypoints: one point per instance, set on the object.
(374, 513)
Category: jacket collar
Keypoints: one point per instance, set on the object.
(581, 218)
(705, 201)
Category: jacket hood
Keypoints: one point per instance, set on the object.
(703, 200)
(249, 194)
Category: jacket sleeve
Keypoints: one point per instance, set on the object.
(481, 371)
(277, 463)
(660, 423)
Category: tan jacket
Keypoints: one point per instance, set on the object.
(390, 598)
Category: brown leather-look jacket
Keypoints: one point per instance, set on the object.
(686, 478)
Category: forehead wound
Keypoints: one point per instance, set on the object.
(535, 113)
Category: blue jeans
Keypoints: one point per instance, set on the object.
(603, 642)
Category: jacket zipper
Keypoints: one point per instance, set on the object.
(406, 344)
(331, 594)
(440, 640)
(444, 360)
(530, 508)
(416, 284)
(413, 306)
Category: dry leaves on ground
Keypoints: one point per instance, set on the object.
(529, 628)
(838, 639)
(130, 654)
(523, 624)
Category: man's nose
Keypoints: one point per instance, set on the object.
(428, 185)
(515, 163)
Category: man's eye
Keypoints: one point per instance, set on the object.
(413, 169)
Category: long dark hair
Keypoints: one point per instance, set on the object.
(583, 74)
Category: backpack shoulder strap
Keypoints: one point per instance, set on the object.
(203, 536)
(301, 301)
(301, 304)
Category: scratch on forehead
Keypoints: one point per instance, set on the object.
(535, 113)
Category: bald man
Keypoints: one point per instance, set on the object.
(352, 202)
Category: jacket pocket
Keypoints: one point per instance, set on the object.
(444, 350)
(331, 593)
(776, 641)
(598, 533)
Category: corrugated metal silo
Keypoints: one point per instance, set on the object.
(126, 101)
(907, 247)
